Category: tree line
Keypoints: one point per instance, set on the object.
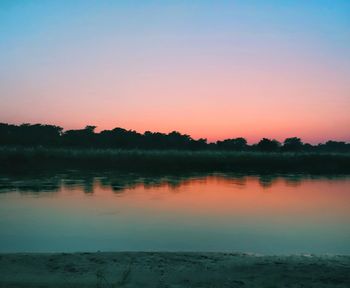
(34, 135)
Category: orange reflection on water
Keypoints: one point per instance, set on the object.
(204, 213)
(245, 197)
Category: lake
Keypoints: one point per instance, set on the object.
(266, 214)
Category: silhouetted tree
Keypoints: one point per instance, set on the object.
(80, 138)
(336, 146)
(30, 135)
(199, 144)
(236, 144)
(307, 147)
(120, 138)
(293, 144)
(90, 128)
(268, 145)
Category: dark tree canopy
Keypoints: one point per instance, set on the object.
(293, 144)
(236, 144)
(268, 145)
(32, 135)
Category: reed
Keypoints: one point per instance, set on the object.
(174, 160)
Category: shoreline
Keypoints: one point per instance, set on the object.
(172, 269)
(17, 159)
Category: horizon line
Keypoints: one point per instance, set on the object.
(142, 133)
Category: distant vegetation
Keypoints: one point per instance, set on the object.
(41, 147)
(50, 136)
(172, 160)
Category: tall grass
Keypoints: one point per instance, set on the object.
(169, 160)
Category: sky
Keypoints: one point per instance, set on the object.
(211, 69)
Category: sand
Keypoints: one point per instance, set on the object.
(173, 270)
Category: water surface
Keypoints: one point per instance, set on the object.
(130, 212)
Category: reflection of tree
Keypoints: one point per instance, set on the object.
(119, 182)
(29, 184)
(294, 180)
(266, 181)
(235, 179)
(88, 186)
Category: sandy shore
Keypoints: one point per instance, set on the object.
(172, 270)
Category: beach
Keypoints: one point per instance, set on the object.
(177, 269)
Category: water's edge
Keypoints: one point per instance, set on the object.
(172, 270)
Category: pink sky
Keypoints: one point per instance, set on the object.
(209, 70)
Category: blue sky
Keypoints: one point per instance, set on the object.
(212, 69)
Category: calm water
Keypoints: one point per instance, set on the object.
(74, 212)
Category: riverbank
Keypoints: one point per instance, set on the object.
(173, 160)
(172, 270)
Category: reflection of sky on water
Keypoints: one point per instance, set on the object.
(264, 214)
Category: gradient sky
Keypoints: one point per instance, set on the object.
(213, 69)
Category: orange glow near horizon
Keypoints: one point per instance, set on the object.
(211, 70)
